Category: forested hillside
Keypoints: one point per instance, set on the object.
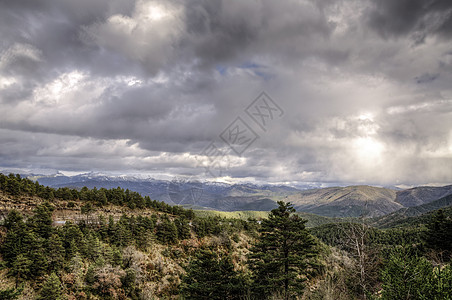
(115, 244)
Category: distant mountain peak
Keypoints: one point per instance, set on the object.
(348, 201)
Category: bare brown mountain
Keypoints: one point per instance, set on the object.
(363, 200)
(350, 201)
(422, 195)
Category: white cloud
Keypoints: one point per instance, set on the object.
(148, 36)
(19, 51)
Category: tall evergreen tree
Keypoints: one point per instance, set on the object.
(439, 234)
(52, 289)
(10, 294)
(212, 276)
(41, 221)
(20, 268)
(13, 185)
(13, 244)
(73, 240)
(55, 252)
(183, 228)
(280, 257)
(166, 231)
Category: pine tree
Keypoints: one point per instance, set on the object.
(41, 221)
(129, 282)
(166, 231)
(121, 233)
(101, 198)
(13, 244)
(10, 294)
(55, 252)
(183, 228)
(20, 268)
(13, 220)
(212, 276)
(90, 275)
(93, 247)
(13, 185)
(73, 240)
(280, 257)
(87, 210)
(39, 259)
(409, 276)
(52, 289)
(143, 237)
(439, 234)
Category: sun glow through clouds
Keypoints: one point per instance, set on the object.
(368, 150)
(156, 12)
(56, 90)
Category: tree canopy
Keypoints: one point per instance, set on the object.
(280, 257)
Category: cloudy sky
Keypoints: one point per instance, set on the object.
(357, 92)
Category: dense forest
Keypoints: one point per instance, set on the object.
(157, 251)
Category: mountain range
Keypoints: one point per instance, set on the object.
(349, 201)
(368, 201)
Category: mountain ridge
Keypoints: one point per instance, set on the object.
(348, 201)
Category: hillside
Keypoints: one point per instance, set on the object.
(97, 250)
(422, 195)
(369, 201)
(351, 201)
(416, 214)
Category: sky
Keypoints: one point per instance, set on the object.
(327, 92)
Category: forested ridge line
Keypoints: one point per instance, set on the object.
(15, 185)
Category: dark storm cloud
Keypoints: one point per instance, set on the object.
(231, 32)
(426, 78)
(55, 28)
(148, 84)
(417, 17)
(218, 37)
